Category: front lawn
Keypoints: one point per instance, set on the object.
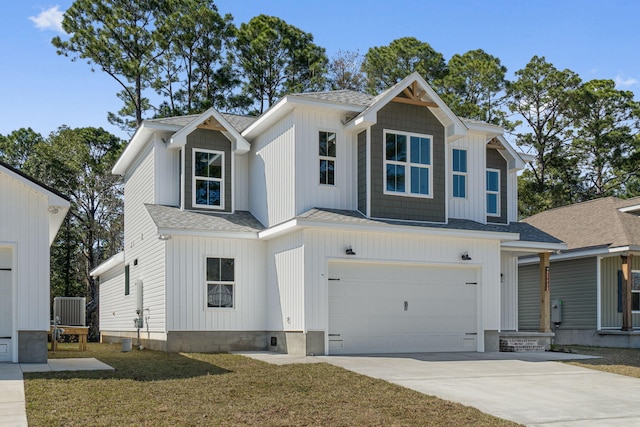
(152, 388)
(623, 361)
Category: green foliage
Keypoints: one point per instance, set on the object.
(120, 37)
(387, 65)
(16, 147)
(345, 71)
(606, 138)
(474, 87)
(277, 58)
(540, 97)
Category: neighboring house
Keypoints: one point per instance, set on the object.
(599, 305)
(30, 215)
(334, 223)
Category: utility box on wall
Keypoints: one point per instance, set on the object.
(556, 311)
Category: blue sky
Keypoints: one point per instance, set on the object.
(596, 39)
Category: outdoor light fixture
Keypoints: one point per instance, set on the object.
(349, 251)
(164, 237)
(465, 256)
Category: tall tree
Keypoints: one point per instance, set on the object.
(474, 87)
(195, 71)
(277, 58)
(540, 97)
(606, 122)
(121, 38)
(78, 163)
(15, 148)
(387, 65)
(345, 71)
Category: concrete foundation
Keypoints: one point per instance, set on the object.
(294, 343)
(32, 346)
(541, 339)
(491, 341)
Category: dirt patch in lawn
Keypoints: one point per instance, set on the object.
(623, 361)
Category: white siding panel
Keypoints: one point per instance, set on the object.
(512, 196)
(167, 179)
(142, 244)
(241, 185)
(309, 192)
(186, 284)
(115, 310)
(285, 283)
(272, 173)
(323, 245)
(24, 221)
(509, 293)
(473, 206)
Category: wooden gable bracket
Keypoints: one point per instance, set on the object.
(211, 124)
(413, 96)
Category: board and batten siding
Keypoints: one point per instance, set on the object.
(309, 192)
(285, 283)
(323, 245)
(512, 195)
(509, 292)
(572, 281)
(167, 179)
(611, 317)
(141, 245)
(24, 225)
(272, 173)
(186, 284)
(115, 312)
(473, 206)
(241, 182)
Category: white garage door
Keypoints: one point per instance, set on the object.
(378, 308)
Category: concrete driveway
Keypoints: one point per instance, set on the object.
(525, 388)
(529, 388)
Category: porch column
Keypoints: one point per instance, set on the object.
(545, 293)
(626, 292)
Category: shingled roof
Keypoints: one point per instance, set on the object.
(527, 232)
(591, 224)
(239, 122)
(172, 218)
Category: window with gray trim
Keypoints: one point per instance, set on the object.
(493, 192)
(208, 179)
(220, 276)
(327, 152)
(407, 164)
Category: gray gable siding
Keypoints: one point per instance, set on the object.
(496, 161)
(362, 172)
(407, 118)
(208, 140)
(572, 281)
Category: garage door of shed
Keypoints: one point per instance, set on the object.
(384, 308)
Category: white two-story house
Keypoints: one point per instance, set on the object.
(334, 223)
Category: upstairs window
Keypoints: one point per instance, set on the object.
(493, 192)
(208, 179)
(459, 158)
(407, 163)
(220, 282)
(327, 152)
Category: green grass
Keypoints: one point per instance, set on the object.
(159, 389)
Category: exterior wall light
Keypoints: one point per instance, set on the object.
(465, 256)
(349, 251)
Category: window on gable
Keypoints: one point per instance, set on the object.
(407, 163)
(459, 158)
(220, 282)
(327, 152)
(208, 179)
(493, 192)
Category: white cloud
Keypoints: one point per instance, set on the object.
(625, 83)
(50, 19)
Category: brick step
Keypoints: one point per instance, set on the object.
(519, 345)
